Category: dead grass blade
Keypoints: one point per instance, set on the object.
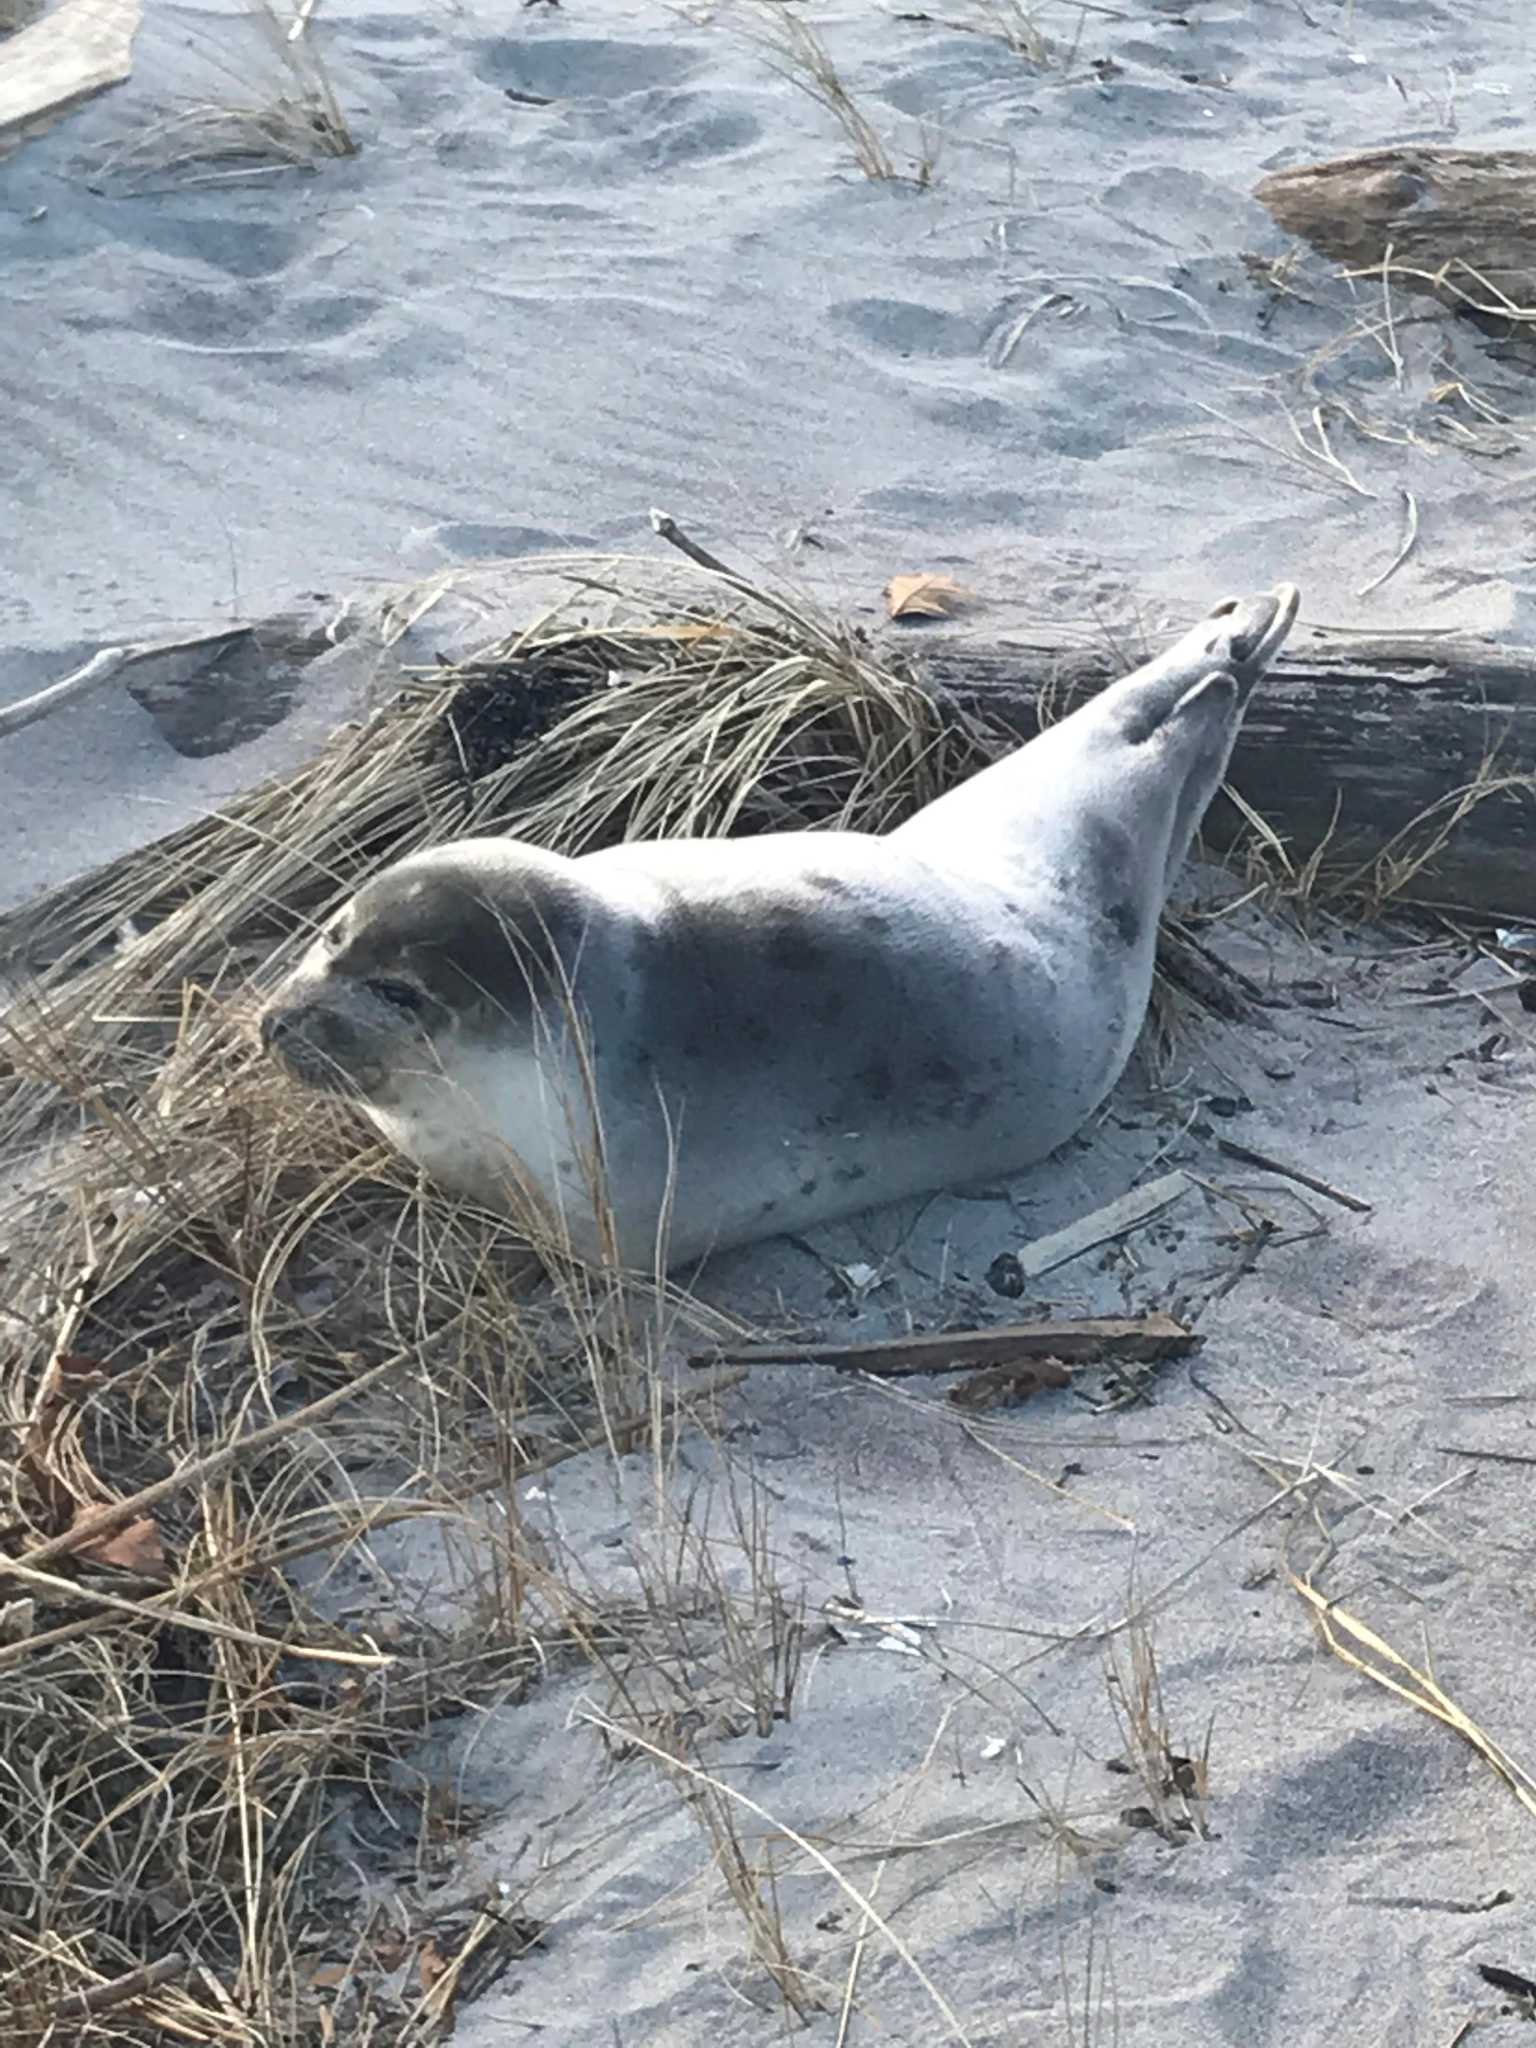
(1347, 1638)
(799, 56)
(695, 1774)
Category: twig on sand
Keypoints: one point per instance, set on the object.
(1083, 1340)
(1255, 991)
(100, 1998)
(1266, 1164)
(103, 668)
(667, 528)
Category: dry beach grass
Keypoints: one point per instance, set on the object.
(292, 119)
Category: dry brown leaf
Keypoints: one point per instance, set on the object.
(75, 1375)
(924, 597)
(136, 1547)
(69, 1380)
(431, 1963)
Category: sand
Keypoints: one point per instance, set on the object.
(1061, 373)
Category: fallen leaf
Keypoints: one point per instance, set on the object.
(431, 1963)
(76, 1375)
(923, 597)
(70, 1378)
(136, 1547)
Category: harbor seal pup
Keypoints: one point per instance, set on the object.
(737, 1038)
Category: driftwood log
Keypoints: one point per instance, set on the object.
(1358, 736)
(1460, 223)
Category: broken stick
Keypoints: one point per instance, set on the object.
(120, 1991)
(100, 670)
(1266, 1164)
(1082, 1340)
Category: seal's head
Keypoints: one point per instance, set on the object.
(434, 961)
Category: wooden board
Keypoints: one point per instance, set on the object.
(78, 48)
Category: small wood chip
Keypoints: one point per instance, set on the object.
(1103, 1225)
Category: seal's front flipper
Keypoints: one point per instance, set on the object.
(1241, 635)
(1193, 745)
(1213, 700)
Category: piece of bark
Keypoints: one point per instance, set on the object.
(120, 1991)
(1084, 1340)
(1460, 223)
(1383, 727)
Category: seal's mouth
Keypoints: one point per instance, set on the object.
(1256, 628)
(314, 1047)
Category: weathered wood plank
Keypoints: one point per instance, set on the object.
(1460, 223)
(1381, 728)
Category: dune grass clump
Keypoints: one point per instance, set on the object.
(799, 56)
(297, 121)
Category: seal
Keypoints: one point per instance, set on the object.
(672, 1047)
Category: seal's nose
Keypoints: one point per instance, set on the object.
(274, 1025)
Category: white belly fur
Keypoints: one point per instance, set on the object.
(504, 1131)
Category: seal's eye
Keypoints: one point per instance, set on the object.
(398, 993)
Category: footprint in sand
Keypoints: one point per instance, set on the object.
(252, 319)
(902, 328)
(574, 68)
(237, 248)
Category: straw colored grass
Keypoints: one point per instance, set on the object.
(1016, 25)
(764, 1919)
(1175, 1781)
(1354, 1644)
(1400, 871)
(799, 56)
